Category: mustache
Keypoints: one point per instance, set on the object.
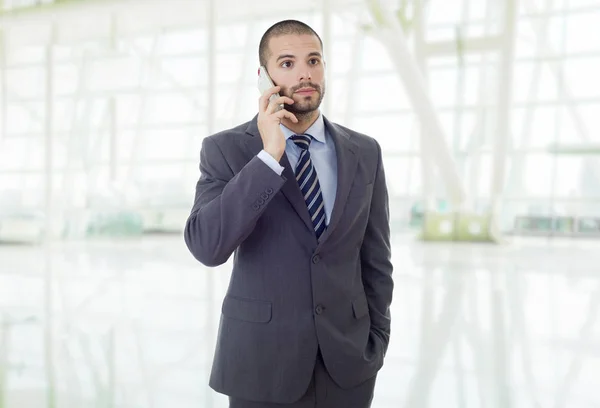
(306, 85)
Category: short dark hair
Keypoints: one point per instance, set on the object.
(284, 27)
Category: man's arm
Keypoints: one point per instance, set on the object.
(375, 255)
(227, 206)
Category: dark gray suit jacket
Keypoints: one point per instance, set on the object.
(289, 294)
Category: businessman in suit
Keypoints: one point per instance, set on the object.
(302, 204)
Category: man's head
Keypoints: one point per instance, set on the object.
(292, 52)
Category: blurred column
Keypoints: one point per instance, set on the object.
(148, 67)
(3, 84)
(48, 129)
(247, 61)
(210, 123)
(353, 76)
(211, 61)
(327, 47)
(507, 60)
(426, 159)
(4, 360)
(112, 106)
(478, 137)
(48, 278)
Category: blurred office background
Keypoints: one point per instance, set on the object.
(488, 112)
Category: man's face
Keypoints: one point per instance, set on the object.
(296, 64)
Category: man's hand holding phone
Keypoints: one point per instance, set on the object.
(269, 117)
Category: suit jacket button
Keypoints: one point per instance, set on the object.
(256, 206)
(316, 259)
(260, 201)
(319, 309)
(269, 191)
(264, 196)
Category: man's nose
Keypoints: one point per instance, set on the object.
(305, 75)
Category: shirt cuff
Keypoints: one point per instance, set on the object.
(270, 161)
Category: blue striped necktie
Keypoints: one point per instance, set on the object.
(306, 175)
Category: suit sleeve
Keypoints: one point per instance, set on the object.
(227, 205)
(375, 255)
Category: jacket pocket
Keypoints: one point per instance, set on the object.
(360, 306)
(248, 310)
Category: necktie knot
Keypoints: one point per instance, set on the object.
(302, 141)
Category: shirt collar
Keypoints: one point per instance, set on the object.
(316, 130)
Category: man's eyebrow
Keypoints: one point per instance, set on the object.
(312, 54)
(286, 56)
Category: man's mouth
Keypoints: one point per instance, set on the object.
(306, 91)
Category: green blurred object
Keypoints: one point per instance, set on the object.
(473, 228)
(118, 223)
(456, 226)
(438, 226)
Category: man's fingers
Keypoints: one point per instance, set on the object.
(276, 102)
(263, 101)
(286, 114)
(270, 107)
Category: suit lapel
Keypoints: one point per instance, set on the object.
(347, 161)
(290, 188)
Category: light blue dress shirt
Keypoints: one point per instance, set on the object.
(322, 154)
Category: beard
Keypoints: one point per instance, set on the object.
(304, 107)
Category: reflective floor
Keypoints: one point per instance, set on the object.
(132, 323)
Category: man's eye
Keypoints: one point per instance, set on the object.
(314, 61)
(286, 64)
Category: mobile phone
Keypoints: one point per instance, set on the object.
(265, 82)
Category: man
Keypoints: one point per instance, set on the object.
(303, 205)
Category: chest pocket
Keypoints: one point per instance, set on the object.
(361, 191)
